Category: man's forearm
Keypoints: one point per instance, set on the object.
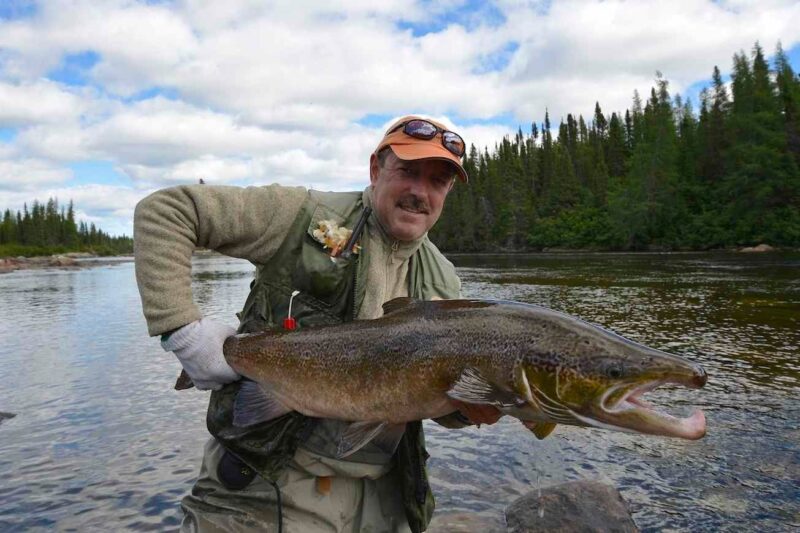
(248, 223)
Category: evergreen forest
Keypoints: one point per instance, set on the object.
(47, 229)
(660, 176)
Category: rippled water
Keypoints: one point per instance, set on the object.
(102, 442)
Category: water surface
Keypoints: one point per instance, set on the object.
(102, 442)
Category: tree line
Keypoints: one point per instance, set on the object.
(658, 176)
(48, 228)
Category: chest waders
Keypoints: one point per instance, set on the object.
(330, 293)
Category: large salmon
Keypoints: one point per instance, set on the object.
(538, 365)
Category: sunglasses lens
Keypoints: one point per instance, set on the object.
(420, 129)
(454, 143)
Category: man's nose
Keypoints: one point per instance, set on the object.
(419, 185)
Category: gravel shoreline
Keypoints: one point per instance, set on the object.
(68, 261)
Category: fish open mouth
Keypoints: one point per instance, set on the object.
(631, 412)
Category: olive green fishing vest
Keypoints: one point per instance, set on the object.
(330, 293)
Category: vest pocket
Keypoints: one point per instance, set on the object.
(316, 271)
(256, 314)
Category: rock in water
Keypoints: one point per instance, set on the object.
(4, 415)
(62, 260)
(760, 248)
(586, 506)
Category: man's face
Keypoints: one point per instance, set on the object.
(408, 196)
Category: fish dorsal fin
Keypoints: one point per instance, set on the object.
(253, 404)
(472, 387)
(541, 429)
(397, 304)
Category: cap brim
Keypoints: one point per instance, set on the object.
(429, 150)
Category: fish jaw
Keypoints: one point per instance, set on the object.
(623, 409)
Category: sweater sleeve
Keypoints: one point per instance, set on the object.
(248, 223)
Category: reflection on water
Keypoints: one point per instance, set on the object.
(101, 441)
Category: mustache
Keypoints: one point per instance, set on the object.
(414, 203)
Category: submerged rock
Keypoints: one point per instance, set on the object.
(4, 415)
(465, 523)
(576, 506)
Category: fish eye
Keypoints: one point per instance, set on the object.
(614, 371)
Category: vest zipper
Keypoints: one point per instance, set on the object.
(355, 288)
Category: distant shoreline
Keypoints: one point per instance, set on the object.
(79, 260)
(761, 248)
(67, 261)
(72, 260)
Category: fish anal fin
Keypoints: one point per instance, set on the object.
(397, 304)
(473, 387)
(253, 404)
(540, 429)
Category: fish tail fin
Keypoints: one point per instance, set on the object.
(184, 381)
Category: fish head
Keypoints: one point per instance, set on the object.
(598, 378)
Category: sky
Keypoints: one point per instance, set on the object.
(105, 101)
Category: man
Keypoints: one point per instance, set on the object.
(283, 471)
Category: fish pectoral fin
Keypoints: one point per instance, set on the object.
(472, 387)
(359, 434)
(388, 439)
(540, 429)
(253, 404)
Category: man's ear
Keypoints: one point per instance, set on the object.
(374, 168)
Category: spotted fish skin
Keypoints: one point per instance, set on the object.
(536, 364)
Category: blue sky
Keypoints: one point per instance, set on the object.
(105, 102)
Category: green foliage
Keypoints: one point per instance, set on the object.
(46, 230)
(656, 175)
(586, 227)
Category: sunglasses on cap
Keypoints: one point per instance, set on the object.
(422, 129)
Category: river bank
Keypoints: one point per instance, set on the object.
(73, 260)
(76, 260)
(760, 248)
(68, 261)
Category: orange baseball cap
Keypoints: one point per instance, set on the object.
(409, 148)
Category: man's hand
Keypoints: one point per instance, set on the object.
(478, 414)
(198, 346)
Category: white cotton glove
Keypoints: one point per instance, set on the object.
(198, 346)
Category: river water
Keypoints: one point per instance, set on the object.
(102, 442)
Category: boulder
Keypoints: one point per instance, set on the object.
(586, 506)
(759, 248)
(62, 260)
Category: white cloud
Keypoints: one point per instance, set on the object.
(263, 92)
(583, 51)
(35, 102)
(30, 174)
